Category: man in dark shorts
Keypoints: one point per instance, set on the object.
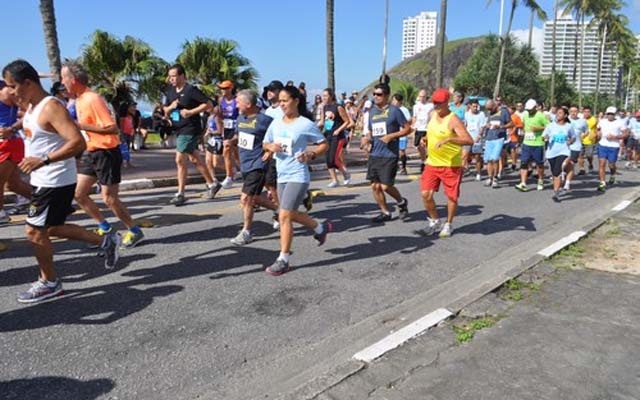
(386, 125)
(102, 162)
(53, 141)
(250, 130)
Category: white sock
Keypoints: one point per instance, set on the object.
(567, 184)
(318, 229)
(284, 257)
(50, 284)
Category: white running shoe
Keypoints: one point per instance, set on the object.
(333, 184)
(227, 182)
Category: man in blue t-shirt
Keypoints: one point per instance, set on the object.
(386, 125)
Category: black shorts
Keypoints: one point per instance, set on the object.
(271, 178)
(227, 134)
(556, 165)
(253, 182)
(105, 165)
(214, 144)
(575, 155)
(418, 137)
(50, 206)
(382, 170)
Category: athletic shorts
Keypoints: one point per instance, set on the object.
(633, 144)
(227, 134)
(417, 139)
(402, 143)
(450, 177)
(587, 150)
(608, 153)
(476, 148)
(105, 165)
(187, 143)
(531, 153)
(291, 195)
(214, 144)
(556, 165)
(271, 178)
(575, 155)
(514, 145)
(493, 149)
(253, 182)
(12, 149)
(382, 170)
(50, 206)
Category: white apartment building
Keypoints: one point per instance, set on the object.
(566, 29)
(418, 33)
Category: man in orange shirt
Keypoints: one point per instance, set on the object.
(515, 133)
(102, 162)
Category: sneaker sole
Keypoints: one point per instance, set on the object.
(42, 298)
(284, 271)
(131, 246)
(117, 255)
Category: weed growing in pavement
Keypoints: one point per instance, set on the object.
(613, 232)
(465, 332)
(514, 289)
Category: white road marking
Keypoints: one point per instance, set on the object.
(562, 243)
(623, 204)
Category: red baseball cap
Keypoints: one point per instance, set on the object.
(440, 95)
(225, 84)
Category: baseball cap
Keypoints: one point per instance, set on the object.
(274, 85)
(611, 110)
(530, 104)
(225, 84)
(440, 95)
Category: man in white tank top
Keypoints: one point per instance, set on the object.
(52, 141)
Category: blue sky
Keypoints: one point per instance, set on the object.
(283, 39)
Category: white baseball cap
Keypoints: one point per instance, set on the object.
(611, 110)
(530, 104)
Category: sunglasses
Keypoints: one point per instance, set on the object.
(379, 94)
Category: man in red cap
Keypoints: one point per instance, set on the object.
(446, 134)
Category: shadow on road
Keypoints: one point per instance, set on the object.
(498, 223)
(55, 388)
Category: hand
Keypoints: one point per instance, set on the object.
(6, 132)
(306, 156)
(365, 139)
(386, 139)
(184, 113)
(267, 156)
(30, 164)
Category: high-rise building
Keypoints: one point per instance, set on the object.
(418, 33)
(581, 74)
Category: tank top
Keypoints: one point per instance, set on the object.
(229, 113)
(449, 154)
(332, 119)
(40, 143)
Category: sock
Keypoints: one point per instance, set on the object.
(403, 161)
(567, 185)
(50, 284)
(135, 230)
(318, 229)
(104, 225)
(284, 257)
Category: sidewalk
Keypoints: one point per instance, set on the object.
(567, 329)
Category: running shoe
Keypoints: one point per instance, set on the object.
(403, 208)
(602, 186)
(279, 267)
(540, 184)
(612, 180)
(18, 209)
(478, 177)
(111, 247)
(403, 171)
(100, 232)
(212, 191)
(4, 219)
(347, 178)
(243, 237)
(40, 291)
(488, 182)
(522, 187)
(446, 231)
(178, 199)
(382, 217)
(227, 183)
(131, 240)
(276, 221)
(556, 197)
(333, 184)
(495, 184)
(308, 201)
(327, 227)
(433, 226)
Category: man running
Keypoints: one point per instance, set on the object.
(499, 120)
(271, 93)
(589, 141)
(475, 122)
(386, 125)
(397, 100)
(634, 139)
(53, 140)
(533, 144)
(610, 132)
(446, 135)
(102, 163)
(421, 112)
(229, 114)
(581, 131)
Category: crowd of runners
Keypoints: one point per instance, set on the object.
(55, 146)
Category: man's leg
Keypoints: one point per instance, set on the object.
(429, 203)
(379, 197)
(112, 200)
(181, 166)
(43, 250)
(197, 161)
(83, 190)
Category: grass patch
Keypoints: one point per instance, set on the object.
(571, 251)
(613, 232)
(515, 290)
(467, 331)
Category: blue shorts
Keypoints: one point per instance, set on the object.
(531, 153)
(493, 149)
(608, 153)
(402, 143)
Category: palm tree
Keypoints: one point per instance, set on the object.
(331, 78)
(207, 62)
(552, 89)
(533, 6)
(442, 29)
(384, 41)
(609, 23)
(51, 37)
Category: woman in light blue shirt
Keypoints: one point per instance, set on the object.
(559, 135)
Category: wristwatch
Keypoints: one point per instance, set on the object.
(46, 160)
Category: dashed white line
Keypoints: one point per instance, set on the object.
(397, 338)
(623, 204)
(562, 243)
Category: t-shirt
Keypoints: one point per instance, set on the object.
(421, 114)
(607, 127)
(634, 127)
(558, 136)
(126, 124)
(274, 112)
(251, 132)
(92, 109)
(579, 127)
(294, 138)
(591, 138)
(499, 118)
(516, 131)
(533, 138)
(458, 110)
(383, 122)
(474, 123)
(188, 98)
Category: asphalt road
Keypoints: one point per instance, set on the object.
(189, 315)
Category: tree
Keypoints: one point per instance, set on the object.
(552, 98)
(331, 78)
(442, 29)
(51, 37)
(408, 92)
(564, 92)
(207, 62)
(534, 7)
(384, 41)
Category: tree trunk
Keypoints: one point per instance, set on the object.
(584, 35)
(51, 37)
(503, 51)
(531, 29)
(575, 50)
(552, 90)
(599, 70)
(331, 79)
(441, 38)
(384, 41)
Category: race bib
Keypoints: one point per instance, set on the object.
(215, 141)
(378, 129)
(286, 145)
(245, 140)
(529, 136)
(175, 115)
(559, 138)
(229, 123)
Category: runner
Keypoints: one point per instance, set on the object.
(515, 135)
(102, 162)
(229, 113)
(421, 112)
(581, 130)
(397, 100)
(335, 121)
(386, 125)
(252, 127)
(559, 135)
(184, 103)
(287, 138)
(499, 120)
(610, 132)
(457, 106)
(446, 135)
(53, 141)
(634, 140)
(589, 141)
(533, 144)
(213, 147)
(271, 93)
(475, 122)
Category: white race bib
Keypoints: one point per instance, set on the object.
(214, 140)
(529, 136)
(378, 129)
(229, 123)
(245, 140)
(286, 144)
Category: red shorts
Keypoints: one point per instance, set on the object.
(12, 149)
(449, 176)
